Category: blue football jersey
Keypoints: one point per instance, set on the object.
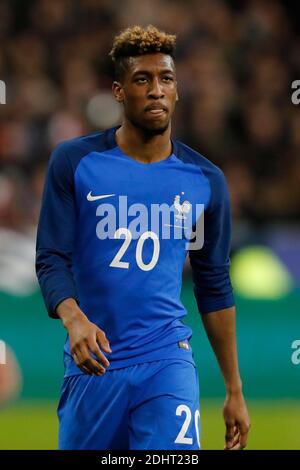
(103, 241)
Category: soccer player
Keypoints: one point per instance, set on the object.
(130, 378)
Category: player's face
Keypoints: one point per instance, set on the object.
(148, 92)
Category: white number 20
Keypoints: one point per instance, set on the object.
(117, 263)
(181, 438)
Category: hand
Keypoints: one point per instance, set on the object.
(85, 338)
(237, 421)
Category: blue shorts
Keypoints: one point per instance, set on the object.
(153, 405)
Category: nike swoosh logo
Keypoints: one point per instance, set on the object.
(96, 198)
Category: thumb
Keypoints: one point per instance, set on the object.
(103, 341)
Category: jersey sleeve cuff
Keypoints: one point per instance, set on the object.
(213, 304)
(52, 305)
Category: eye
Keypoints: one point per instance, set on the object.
(168, 78)
(141, 80)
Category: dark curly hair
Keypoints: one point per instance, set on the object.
(137, 41)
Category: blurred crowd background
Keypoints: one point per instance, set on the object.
(236, 61)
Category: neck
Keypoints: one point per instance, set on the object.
(141, 146)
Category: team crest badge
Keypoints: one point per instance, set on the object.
(181, 208)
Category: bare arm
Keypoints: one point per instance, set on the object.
(85, 338)
(220, 327)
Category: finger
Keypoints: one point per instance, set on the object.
(79, 359)
(103, 341)
(234, 442)
(86, 360)
(230, 434)
(93, 366)
(80, 366)
(77, 362)
(244, 430)
(237, 446)
(93, 346)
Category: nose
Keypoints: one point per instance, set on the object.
(156, 90)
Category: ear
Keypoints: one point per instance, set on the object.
(177, 98)
(118, 91)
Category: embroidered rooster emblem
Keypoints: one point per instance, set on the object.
(182, 209)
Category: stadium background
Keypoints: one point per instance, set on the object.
(236, 62)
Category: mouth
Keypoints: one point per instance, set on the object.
(156, 110)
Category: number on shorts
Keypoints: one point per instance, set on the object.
(181, 438)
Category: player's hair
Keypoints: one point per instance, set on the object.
(135, 41)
